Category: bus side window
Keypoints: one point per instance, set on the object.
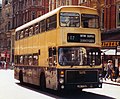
(51, 22)
(21, 34)
(26, 60)
(35, 59)
(17, 59)
(54, 56)
(43, 25)
(26, 33)
(37, 28)
(21, 60)
(30, 60)
(50, 56)
(17, 35)
(30, 31)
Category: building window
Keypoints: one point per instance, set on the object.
(9, 26)
(68, 2)
(6, 2)
(34, 2)
(33, 15)
(118, 15)
(82, 1)
(102, 19)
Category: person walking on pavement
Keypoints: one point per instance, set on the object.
(110, 70)
(116, 73)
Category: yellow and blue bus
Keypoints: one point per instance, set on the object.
(60, 50)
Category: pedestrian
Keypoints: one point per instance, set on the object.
(116, 73)
(110, 70)
(1, 65)
(105, 69)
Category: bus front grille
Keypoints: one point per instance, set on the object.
(80, 77)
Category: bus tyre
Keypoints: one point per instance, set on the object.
(42, 82)
(21, 76)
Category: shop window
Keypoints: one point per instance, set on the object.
(118, 15)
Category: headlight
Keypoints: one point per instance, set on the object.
(100, 79)
(61, 80)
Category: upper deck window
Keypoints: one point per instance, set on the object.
(68, 19)
(89, 21)
(52, 22)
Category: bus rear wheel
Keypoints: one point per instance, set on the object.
(42, 82)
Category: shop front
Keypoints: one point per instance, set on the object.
(111, 48)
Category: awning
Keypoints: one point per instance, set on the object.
(110, 52)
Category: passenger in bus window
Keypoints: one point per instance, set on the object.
(85, 24)
(30, 60)
(63, 58)
(31, 31)
(26, 33)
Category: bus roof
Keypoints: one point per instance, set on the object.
(47, 15)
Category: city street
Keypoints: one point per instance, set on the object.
(11, 89)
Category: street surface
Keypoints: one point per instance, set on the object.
(11, 89)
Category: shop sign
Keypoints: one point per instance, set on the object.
(111, 44)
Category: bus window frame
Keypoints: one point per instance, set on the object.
(26, 32)
(31, 31)
(35, 60)
(17, 36)
(36, 28)
(51, 22)
(21, 35)
(30, 59)
(86, 24)
(69, 20)
(25, 60)
(42, 25)
(88, 59)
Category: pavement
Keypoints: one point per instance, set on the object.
(108, 81)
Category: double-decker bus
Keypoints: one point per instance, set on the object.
(60, 50)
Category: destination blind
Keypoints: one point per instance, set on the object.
(81, 38)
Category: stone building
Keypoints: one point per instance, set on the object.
(5, 27)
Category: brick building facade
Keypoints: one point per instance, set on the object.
(27, 10)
